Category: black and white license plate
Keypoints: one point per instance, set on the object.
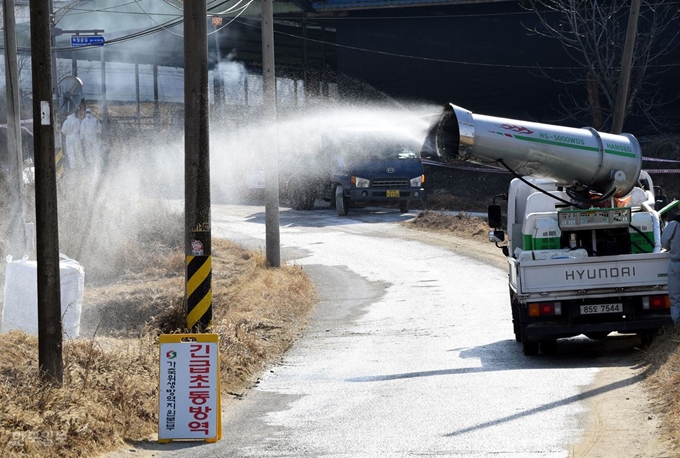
(601, 308)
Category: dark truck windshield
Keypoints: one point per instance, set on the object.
(364, 147)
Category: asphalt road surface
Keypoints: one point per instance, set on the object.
(410, 353)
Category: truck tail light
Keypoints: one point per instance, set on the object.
(656, 302)
(545, 308)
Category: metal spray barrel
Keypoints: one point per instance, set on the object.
(567, 155)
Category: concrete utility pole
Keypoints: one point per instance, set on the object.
(18, 242)
(47, 231)
(271, 196)
(626, 62)
(197, 168)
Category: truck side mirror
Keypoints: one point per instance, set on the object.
(496, 236)
(495, 216)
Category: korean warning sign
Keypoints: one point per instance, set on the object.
(189, 401)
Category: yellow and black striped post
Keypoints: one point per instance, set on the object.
(197, 169)
(199, 292)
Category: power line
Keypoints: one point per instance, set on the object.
(434, 59)
(178, 20)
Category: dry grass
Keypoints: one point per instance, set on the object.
(461, 224)
(662, 362)
(110, 391)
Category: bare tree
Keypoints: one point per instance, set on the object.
(593, 33)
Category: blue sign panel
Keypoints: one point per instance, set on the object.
(87, 40)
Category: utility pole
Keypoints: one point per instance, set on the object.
(626, 63)
(197, 169)
(18, 242)
(47, 231)
(271, 196)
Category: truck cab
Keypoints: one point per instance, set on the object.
(354, 168)
(369, 168)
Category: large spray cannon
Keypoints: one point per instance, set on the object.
(580, 159)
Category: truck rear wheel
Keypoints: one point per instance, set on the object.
(646, 338)
(516, 328)
(548, 347)
(341, 201)
(529, 348)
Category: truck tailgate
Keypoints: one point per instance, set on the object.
(623, 271)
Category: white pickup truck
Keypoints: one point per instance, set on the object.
(582, 271)
(583, 226)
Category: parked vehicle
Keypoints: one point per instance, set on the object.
(355, 168)
(583, 226)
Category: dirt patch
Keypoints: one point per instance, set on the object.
(461, 224)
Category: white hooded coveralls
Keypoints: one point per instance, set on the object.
(90, 131)
(71, 130)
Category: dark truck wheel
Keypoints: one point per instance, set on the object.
(529, 348)
(403, 206)
(332, 197)
(548, 347)
(516, 328)
(341, 201)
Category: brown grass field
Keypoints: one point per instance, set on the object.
(110, 390)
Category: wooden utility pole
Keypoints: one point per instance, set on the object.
(271, 196)
(47, 231)
(197, 169)
(17, 228)
(626, 63)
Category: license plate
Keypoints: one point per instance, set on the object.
(601, 308)
(391, 193)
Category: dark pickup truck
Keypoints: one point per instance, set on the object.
(358, 168)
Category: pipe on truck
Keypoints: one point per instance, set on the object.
(570, 156)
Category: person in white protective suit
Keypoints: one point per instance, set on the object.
(670, 240)
(71, 130)
(90, 134)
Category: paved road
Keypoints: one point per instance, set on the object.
(410, 353)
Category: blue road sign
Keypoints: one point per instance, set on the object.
(87, 40)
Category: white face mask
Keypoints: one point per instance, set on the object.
(89, 115)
